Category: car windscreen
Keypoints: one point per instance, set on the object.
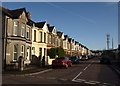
(61, 58)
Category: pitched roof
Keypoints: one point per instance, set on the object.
(13, 13)
(76, 42)
(65, 37)
(69, 39)
(30, 22)
(59, 34)
(40, 24)
(5, 11)
(17, 12)
(51, 28)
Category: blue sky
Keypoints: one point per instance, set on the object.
(86, 22)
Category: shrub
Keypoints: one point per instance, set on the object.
(56, 51)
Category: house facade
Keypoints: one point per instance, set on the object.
(39, 41)
(52, 37)
(60, 38)
(23, 37)
(17, 38)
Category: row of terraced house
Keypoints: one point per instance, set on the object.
(21, 36)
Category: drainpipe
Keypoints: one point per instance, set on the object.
(6, 28)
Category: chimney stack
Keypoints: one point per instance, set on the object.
(48, 25)
(28, 15)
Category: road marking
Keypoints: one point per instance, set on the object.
(76, 76)
(90, 83)
(77, 81)
(81, 80)
(106, 84)
(95, 82)
(63, 79)
(81, 72)
(85, 68)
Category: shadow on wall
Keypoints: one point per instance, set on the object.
(35, 60)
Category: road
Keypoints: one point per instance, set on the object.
(87, 73)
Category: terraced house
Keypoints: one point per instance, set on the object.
(52, 37)
(60, 38)
(66, 45)
(21, 36)
(39, 41)
(17, 36)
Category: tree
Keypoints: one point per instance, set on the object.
(56, 51)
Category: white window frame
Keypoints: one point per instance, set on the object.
(40, 36)
(44, 37)
(22, 29)
(27, 35)
(16, 26)
(33, 50)
(15, 52)
(23, 50)
(50, 39)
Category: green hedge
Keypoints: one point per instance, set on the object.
(56, 51)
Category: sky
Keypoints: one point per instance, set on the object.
(86, 22)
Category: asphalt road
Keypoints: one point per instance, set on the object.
(87, 73)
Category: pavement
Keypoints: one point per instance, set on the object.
(30, 70)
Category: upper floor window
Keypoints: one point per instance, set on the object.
(40, 36)
(50, 39)
(45, 37)
(15, 31)
(22, 29)
(34, 35)
(28, 34)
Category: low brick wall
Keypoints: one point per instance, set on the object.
(50, 60)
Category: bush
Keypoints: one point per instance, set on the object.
(56, 51)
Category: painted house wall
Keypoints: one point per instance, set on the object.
(15, 40)
(40, 44)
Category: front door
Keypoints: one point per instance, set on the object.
(28, 53)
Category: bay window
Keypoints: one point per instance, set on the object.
(22, 29)
(15, 31)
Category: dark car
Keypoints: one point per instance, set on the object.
(84, 57)
(61, 62)
(104, 59)
(75, 59)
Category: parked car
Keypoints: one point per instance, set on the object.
(104, 59)
(75, 59)
(84, 57)
(61, 62)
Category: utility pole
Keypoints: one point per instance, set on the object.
(108, 41)
(112, 44)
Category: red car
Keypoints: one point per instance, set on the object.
(61, 62)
